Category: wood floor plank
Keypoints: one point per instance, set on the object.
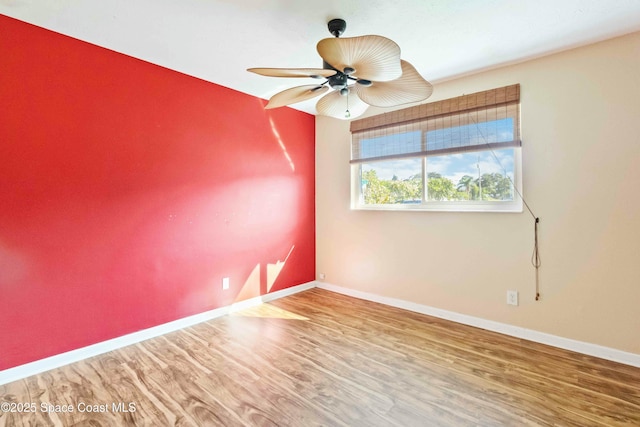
(323, 359)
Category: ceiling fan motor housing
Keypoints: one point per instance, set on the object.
(338, 81)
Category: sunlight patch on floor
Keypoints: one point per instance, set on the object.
(268, 311)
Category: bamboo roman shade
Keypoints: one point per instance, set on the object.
(467, 123)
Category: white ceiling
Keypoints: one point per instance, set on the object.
(217, 40)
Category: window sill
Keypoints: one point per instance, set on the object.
(506, 207)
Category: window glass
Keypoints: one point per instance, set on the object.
(391, 182)
(472, 176)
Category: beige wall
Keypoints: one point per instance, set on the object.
(581, 171)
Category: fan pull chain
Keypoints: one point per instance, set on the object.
(347, 114)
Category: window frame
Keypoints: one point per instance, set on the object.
(426, 116)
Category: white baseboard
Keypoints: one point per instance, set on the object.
(503, 328)
(39, 366)
(33, 368)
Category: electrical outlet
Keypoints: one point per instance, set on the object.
(321, 276)
(225, 283)
(512, 297)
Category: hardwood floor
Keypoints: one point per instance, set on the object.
(320, 358)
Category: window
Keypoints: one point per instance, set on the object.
(461, 154)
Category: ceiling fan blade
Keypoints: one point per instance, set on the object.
(293, 72)
(373, 57)
(336, 105)
(410, 87)
(295, 94)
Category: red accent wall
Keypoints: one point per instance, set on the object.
(128, 191)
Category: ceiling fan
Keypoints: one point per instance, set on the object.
(362, 71)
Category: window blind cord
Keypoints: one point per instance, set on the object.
(535, 256)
